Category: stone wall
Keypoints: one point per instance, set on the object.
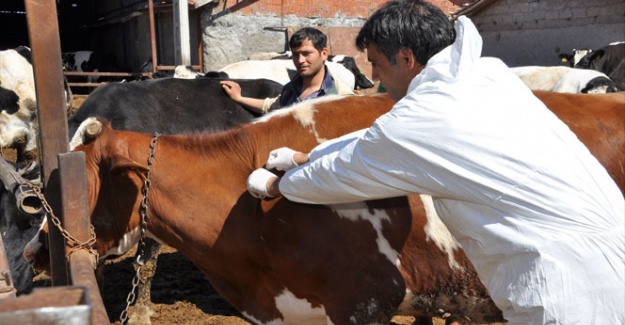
(535, 32)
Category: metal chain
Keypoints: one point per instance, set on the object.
(73, 243)
(139, 261)
(123, 317)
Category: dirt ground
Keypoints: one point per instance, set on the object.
(180, 294)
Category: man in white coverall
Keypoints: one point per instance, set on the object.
(537, 214)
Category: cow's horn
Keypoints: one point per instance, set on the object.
(93, 129)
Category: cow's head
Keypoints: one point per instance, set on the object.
(362, 81)
(586, 62)
(600, 85)
(573, 58)
(18, 106)
(113, 182)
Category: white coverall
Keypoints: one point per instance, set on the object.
(536, 213)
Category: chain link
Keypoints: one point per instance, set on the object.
(73, 243)
(143, 209)
(131, 297)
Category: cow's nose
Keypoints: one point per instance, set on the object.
(30, 250)
(29, 255)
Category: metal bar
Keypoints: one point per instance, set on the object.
(75, 198)
(86, 84)
(99, 74)
(182, 45)
(152, 35)
(43, 31)
(200, 43)
(173, 67)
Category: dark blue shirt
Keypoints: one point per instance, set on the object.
(292, 91)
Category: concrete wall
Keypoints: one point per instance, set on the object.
(535, 32)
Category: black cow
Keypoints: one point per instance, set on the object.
(171, 105)
(16, 226)
(609, 60)
(362, 82)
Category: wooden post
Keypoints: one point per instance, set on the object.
(43, 31)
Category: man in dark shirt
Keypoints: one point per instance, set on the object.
(313, 79)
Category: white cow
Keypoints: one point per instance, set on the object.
(270, 55)
(565, 79)
(281, 71)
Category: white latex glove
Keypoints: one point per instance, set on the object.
(281, 159)
(257, 183)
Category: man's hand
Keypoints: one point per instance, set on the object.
(260, 182)
(232, 89)
(282, 159)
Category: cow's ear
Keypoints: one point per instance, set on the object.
(597, 55)
(121, 163)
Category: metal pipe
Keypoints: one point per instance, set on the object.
(152, 35)
(43, 32)
(75, 198)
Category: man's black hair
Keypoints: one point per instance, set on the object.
(318, 38)
(407, 24)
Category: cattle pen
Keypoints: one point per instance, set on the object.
(74, 297)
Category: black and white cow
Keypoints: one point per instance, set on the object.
(565, 79)
(609, 60)
(342, 68)
(90, 61)
(18, 103)
(573, 58)
(171, 105)
(78, 61)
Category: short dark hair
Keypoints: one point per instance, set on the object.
(317, 37)
(407, 24)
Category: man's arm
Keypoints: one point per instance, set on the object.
(233, 90)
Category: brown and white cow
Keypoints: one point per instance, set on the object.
(286, 263)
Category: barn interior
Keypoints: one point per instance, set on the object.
(117, 29)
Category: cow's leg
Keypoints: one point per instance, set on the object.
(141, 312)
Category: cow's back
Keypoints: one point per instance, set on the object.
(599, 122)
(171, 105)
